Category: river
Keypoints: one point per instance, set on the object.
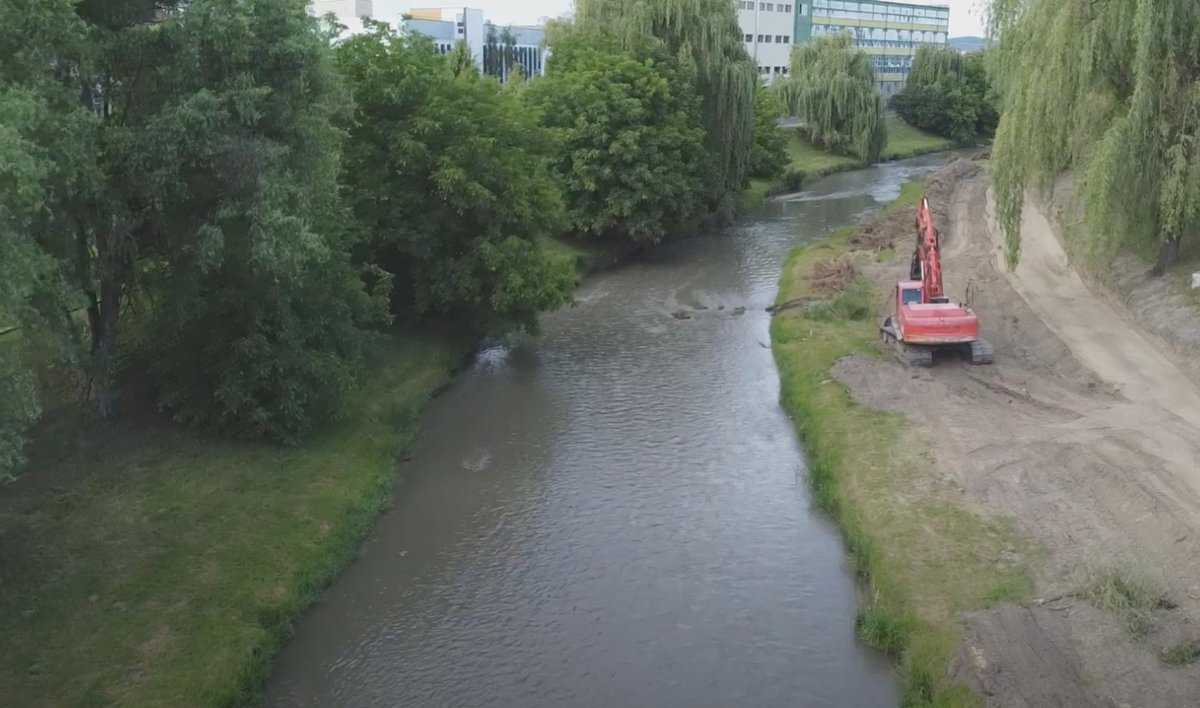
(614, 513)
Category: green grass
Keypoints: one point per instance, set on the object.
(1182, 654)
(807, 161)
(144, 564)
(923, 556)
(1133, 596)
(905, 141)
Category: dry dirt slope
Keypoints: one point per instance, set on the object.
(1086, 434)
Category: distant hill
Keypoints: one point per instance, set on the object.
(966, 45)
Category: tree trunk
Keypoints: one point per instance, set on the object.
(1168, 255)
(103, 317)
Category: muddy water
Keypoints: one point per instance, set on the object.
(614, 514)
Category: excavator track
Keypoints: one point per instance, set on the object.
(981, 352)
(909, 354)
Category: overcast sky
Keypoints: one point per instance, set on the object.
(965, 15)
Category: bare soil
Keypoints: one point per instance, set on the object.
(1086, 432)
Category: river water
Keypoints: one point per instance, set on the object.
(615, 513)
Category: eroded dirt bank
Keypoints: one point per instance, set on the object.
(1087, 432)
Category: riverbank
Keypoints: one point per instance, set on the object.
(1028, 531)
(922, 554)
(807, 162)
(145, 564)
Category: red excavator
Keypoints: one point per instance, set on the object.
(925, 320)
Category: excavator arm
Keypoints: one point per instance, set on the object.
(928, 255)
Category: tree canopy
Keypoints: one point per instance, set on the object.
(831, 89)
(447, 174)
(706, 35)
(1109, 89)
(632, 158)
(948, 93)
(768, 157)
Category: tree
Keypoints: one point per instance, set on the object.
(631, 151)
(705, 35)
(1109, 89)
(44, 152)
(195, 156)
(447, 175)
(947, 93)
(769, 156)
(831, 89)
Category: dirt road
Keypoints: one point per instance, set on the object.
(1086, 434)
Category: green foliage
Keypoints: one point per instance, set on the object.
(706, 39)
(769, 155)
(948, 94)
(448, 177)
(631, 150)
(1109, 89)
(43, 153)
(832, 91)
(1182, 654)
(261, 321)
(19, 409)
(181, 159)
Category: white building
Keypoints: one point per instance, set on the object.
(496, 50)
(769, 31)
(890, 32)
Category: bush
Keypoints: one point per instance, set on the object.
(448, 176)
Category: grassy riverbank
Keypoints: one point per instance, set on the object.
(807, 162)
(924, 558)
(145, 564)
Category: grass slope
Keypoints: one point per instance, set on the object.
(144, 564)
(807, 161)
(923, 556)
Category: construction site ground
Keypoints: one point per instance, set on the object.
(1085, 432)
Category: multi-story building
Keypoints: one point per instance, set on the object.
(891, 32)
(496, 50)
(769, 31)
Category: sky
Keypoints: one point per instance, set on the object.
(966, 16)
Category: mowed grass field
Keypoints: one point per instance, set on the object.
(145, 564)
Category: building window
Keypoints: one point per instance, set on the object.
(782, 39)
(749, 39)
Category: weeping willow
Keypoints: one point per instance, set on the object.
(1110, 90)
(832, 91)
(933, 64)
(706, 34)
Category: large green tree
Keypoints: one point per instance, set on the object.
(705, 35)
(1108, 89)
(948, 93)
(45, 155)
(194, 155)
(447, 174)
(632, 158)
(831, 89)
